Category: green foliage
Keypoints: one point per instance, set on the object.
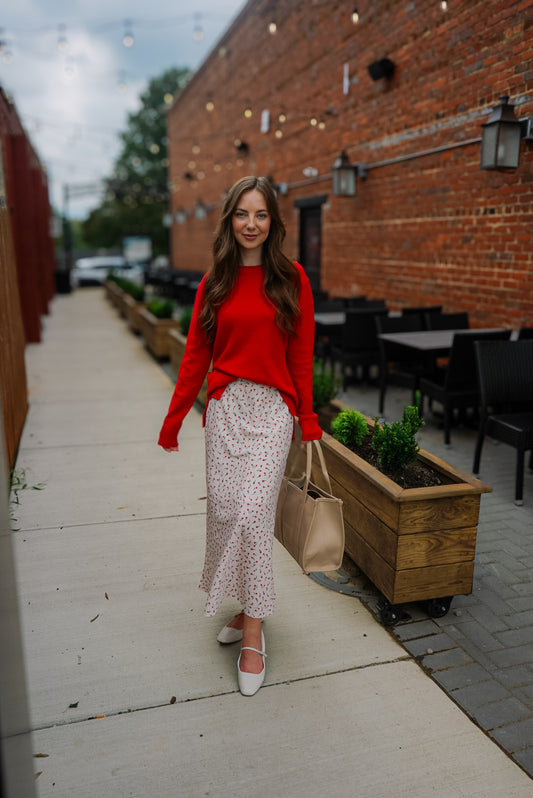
(161, 308)
(185, 319)
(137, 194)
(131, 288)
(395, 444)
(349, 427)
(325, 385)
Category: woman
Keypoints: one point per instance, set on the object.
(253, 318)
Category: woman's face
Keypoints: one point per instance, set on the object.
(251, 225)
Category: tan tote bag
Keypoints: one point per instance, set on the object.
(309, 522)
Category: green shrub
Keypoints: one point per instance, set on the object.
(161, 308)
(185, 319)
(325, 385)
(395, 444)
(349, 427)
(131, 288)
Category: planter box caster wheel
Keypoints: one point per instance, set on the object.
(389, 613)
(438, 607)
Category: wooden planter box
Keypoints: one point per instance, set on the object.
(133, 313)
(177, 343)
(155, 333)
(113, 292)
(413, 543)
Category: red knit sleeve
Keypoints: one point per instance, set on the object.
(193, 368)
(300, 361)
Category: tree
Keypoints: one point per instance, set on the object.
(137, 194)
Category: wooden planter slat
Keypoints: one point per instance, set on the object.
(412, 543)
(155, 333)
(133, 315)
(442, 512)
(177, 342)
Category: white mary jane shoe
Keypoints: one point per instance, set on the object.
(229, 635)
(249, 683)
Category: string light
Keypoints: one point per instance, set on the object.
(313, 121)
(210, 106)
(62, 43)
(168, 98)
(69, 68)
(195, 149)
(444, 5)
(127, 39)
(272, 28)
(248, 112)
(198, 33)
(278, 133)
(355, 16)
(282, 118)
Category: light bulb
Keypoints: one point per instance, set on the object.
(313, 121)
(209, 106)
(279, 133)
(127, 39)
(62, 43)
(444, 5)
(282, 118)
(168, 98)
(272, 28)
(355, 16)
(248, 112)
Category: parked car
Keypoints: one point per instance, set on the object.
(93, 271)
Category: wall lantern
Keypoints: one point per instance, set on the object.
(344, 174)
(384, 68)
(500, 138)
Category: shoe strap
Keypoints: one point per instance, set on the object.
(249, 648)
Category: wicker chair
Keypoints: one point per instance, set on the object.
(505, 370)
(446, 321)
(456, 387)
(396, 366)
(358, 346)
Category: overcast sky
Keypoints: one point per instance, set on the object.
(73, 81)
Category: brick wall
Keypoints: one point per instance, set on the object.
(421, 230)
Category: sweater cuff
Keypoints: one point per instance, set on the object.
(309, 426)
(167, 438)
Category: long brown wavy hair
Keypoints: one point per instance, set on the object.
(281, 283)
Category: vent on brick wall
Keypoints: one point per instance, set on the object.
(384, 68)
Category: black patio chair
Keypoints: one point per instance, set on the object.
(525, 333)
(421, 311)
(456, 386)
(349, 302)
(358, 344)
(505, 370)
(446, 321)
(396, 364)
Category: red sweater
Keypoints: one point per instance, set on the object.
(248, 345)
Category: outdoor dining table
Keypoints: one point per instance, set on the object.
(437, 343)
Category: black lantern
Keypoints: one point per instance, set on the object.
(343, 176)
(500, 142)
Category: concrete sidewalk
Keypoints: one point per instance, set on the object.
(129, 692)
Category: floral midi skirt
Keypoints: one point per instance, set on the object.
(248, 432)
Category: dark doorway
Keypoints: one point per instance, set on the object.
(311, 237)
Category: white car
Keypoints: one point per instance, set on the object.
(93, 271)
